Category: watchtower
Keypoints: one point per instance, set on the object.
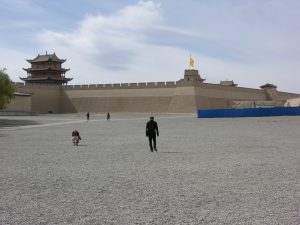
(192, 75)
(271, 91)
(191, 78)
(46, 69)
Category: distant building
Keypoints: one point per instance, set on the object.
(268, 85)
(46, 69)
(228, 83)
(293, 102)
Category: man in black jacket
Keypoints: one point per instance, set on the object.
(151, 132)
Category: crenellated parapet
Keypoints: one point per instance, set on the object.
(168, 84)
(19, 84)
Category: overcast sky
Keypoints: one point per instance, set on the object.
(110, 41)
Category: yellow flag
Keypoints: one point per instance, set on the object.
(191, 62)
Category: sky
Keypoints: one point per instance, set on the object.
(113, 41)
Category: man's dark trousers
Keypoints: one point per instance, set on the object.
(152, 138)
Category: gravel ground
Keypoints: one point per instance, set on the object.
(207, 171)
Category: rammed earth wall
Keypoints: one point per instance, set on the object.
(44, 98)
(131, 97)
(169, 97)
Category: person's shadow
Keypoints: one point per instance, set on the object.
(171, 152)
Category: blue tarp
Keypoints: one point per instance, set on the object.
(249, 112)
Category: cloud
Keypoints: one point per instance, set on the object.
(16, 14)
(113, 48)
(9, 59)
(109, 42)
(14, 4)
(139, 44)
(250, 74)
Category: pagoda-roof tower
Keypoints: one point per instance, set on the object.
(46, 69)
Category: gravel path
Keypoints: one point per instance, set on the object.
(207, 171)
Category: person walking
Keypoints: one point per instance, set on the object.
(151, 132)
(88, 116)
(108, 116)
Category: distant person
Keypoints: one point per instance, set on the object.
(88, 116)
(151, 132)
(108, 116)
(75, 137)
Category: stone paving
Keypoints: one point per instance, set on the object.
(207, 171)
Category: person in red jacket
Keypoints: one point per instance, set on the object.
(75, 137)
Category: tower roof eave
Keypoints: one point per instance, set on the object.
(64, 79)
(45, 58)
(268, 85)
(45, 69)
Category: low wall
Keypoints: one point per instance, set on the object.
(250, 112)
(19, 104)
(44, 98)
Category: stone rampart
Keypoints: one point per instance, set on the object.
(230, 92)
(287, 95)
(129, 98)
(215, 96)
(175, 97)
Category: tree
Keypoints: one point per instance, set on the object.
(7, 89)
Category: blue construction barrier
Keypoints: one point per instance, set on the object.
(249, 112)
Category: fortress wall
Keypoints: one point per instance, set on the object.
(183, 100)
(139, 97)
(229, 92)
(44, 98)
(213, 103)
(148, 97)
(212, 96)
(120, 104)
(286, 95)
(19, 104)
(142, 85)
(117, 100)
